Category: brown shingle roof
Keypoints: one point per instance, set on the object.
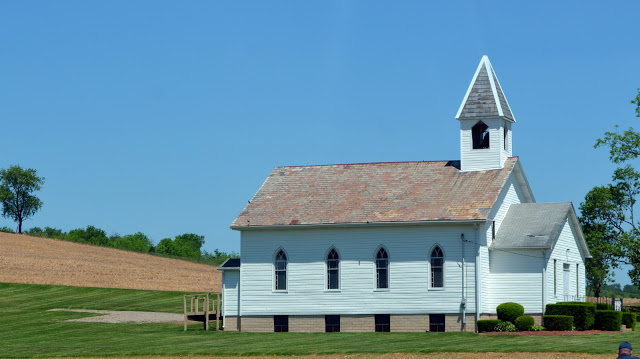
(374, 192)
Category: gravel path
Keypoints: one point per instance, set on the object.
(113, 316)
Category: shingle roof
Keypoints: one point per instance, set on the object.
(485, 97)
(532, 225)
(374, 192)
(230, 264)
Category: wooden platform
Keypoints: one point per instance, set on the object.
(201, 308)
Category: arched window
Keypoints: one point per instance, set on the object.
(382, 269)
(480, 135)
(333, 269)
(437, 266)
(280, 266)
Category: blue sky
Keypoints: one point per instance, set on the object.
(165, 117)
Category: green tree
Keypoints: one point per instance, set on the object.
(91, 235)
(16, 193)
(165, 246)
(7, 229)
(218, 257)
(138, 242)
(188, 245)
(608, 212)
(47, 232)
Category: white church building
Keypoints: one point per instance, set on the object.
(405, 246)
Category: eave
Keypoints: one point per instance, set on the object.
(357, 225)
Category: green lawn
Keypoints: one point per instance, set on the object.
(27, 330)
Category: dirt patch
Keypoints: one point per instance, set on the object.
(31, 260)
(115, 316)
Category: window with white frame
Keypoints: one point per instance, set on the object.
(333, 269)
(382, 269)
(437, 268)
(280, 268)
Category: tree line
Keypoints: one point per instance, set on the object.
(185, 246)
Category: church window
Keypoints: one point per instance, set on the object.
(382, 269)
(333, 269)
(437, 266)
(480, 135)
(280, 265)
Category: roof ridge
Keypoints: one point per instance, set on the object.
(365, 163)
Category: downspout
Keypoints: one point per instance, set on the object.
(544, 281)
(464, 294)
(477, 275)
(224, 317)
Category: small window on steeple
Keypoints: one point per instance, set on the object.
(480, 135)
(506, 135)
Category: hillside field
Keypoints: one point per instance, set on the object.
(34, 260)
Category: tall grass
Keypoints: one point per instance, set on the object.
(28, 330)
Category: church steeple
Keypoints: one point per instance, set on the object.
(485, 122)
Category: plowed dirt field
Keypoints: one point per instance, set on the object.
(32, 260)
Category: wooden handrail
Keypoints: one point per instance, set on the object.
(201, 305)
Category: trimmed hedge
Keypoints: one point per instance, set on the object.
(524, 322)
(629, 319)
(558, 322)
(505, 327)
(583, 313)
(608, 320)
(487, 325)
(604, 306)
(509, 311)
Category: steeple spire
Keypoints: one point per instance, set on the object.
(485, 122)
(485, 98)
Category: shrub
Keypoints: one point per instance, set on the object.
(509, 311)
(7, 229)
(537, 328)
(604, 306)
(583, 313)
(487, 325)
(503, 326)
(524, 322)
(558, 322)
(629, 319)
(608, 320)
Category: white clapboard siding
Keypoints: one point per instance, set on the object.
(409, 250)
(230, 288)
(511, 194)
(516, 276)
(573, 257)
(482, 159)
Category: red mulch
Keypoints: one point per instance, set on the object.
(550, 332)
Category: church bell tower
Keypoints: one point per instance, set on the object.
(485, 122)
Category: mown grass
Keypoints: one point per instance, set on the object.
(28, 330)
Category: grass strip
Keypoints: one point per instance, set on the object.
(27, 330)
